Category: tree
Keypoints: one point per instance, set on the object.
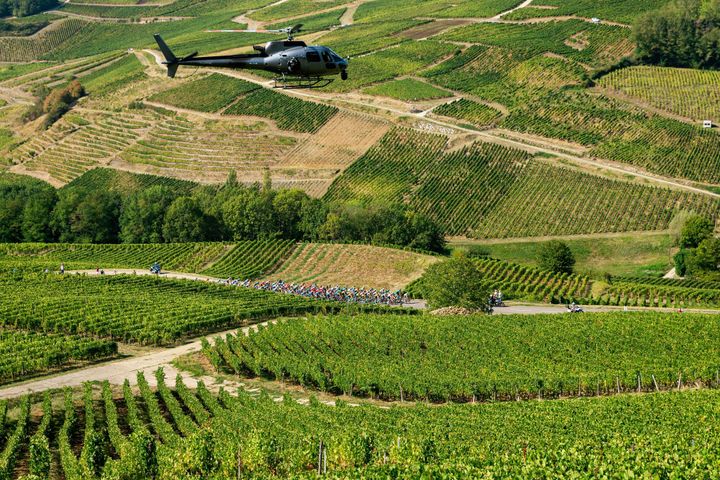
(288, 207)
(143, 215)
(313, 215)
(556, 256)
(11, 210)
(684, 33)
(249, 215)
(696, 229)
(184, 221)
(705, 259)
(82, 217)
(36, 216)
(456, 283)
(680, 260)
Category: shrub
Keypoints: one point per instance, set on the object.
(696, 229)
(456, 283)
(555, 256)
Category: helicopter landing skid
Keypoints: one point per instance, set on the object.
(301, 82)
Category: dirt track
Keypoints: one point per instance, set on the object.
(116, 371)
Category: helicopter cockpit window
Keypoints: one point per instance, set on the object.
(313, 57)
(335, 56)
(326, 57)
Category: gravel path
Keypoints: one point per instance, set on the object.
(116, 372)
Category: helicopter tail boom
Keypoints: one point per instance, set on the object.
(171, 60)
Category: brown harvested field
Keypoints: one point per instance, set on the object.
(353, 265)
(338, 143)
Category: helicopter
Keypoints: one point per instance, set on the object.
(299, 65)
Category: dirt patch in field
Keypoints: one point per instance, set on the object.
(341, 141)
(578, 41)
(433, 28)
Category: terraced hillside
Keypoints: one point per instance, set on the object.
(476, 73)
(490, 191)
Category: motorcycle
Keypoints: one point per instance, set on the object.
(155, 269)
(574, 309)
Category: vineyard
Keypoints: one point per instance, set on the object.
(208, 94)
(535, 285)
(126, 183)
(289, 113)
(693, 94)
(176, 433)
(494, 192)
(383, 65)
(618, 10)
(22, 49)
(123, 72)
(577, 40)
(137, 309)
(428, 358)
(24, 353)
(408, 90)
(207, 150)
(67, 150)
(251, 259)
(469, 111)
(351, 266)
(186, 257)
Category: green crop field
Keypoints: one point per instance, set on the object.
(408, 89)
(428, 358)
(251, 259)
(118, 74)
(614, 10)
(137, 309)
(187, 257)
(532, 284)
(628, 255)
(497, 125)
(469, 111)
(691, 93)
(24, 353)
(289, 113)
(159, 434)
(491, 191)
(194, 94)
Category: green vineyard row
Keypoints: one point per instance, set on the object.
(157, 434)
(465, 359)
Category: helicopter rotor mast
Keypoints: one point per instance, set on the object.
(289, 31)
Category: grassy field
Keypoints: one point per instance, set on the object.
(634, 255)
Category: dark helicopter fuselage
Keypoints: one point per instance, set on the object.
(288, 57)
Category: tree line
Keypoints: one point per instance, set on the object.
(36, 212)
(684, 33)
(24, 8)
